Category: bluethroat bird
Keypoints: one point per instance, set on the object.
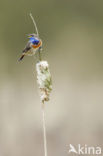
(34, 44)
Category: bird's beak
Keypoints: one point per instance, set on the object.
(29, 36)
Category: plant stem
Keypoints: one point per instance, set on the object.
(44, 130)
(40, 56)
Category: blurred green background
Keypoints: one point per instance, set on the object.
(72, 34)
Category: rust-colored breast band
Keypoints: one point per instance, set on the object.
(37, 46)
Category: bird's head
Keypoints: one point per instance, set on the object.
(32, 36)
(34, 39)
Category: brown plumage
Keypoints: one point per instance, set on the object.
(21, 57)
(26, 49)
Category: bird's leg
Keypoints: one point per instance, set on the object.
(40, 54)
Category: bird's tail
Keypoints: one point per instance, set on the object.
(20, 59)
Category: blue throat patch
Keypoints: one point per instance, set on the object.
(34, 41)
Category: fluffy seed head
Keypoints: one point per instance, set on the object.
(44, 80)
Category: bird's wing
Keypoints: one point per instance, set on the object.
(28, 47)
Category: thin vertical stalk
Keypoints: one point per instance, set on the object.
(40, 56)
(45, 86)
(44, 130)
